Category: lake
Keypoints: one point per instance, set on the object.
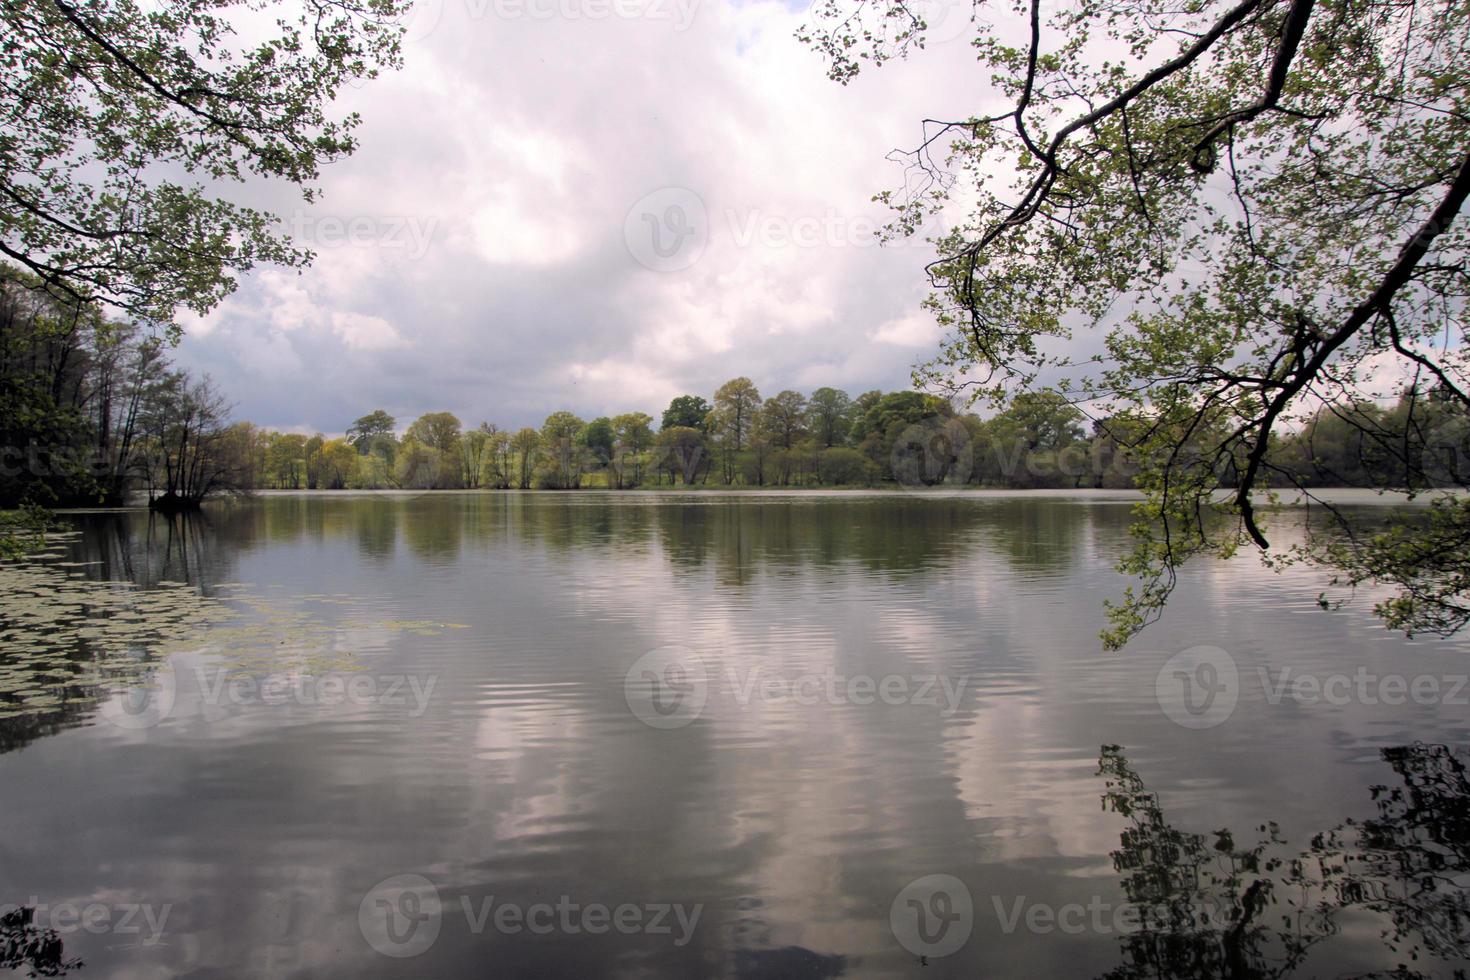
(755, 735)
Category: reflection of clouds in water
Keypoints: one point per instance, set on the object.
(796, 824)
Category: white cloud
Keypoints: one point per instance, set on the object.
(362, 332)
(472, 253)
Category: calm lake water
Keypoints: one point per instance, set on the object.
(579, 735)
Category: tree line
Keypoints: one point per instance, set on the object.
(829, 439)
(93, 412)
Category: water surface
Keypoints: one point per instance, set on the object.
(767, 735)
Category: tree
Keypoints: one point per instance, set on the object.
(437, 459)
(498, 450)
(339, 462)
(562, 451)
(1271, 190)
(420, 466)
(437, 430)
(119, 109)
(783, 416)
(681, 451)
(690, 411)
(313, 460)
(840, 465)
(525, 444)
(286, 460)
(186, 457)
(473, 446)
(736, 403)
(634, 432)
(366, 432)
(599, 437)
(828, 416)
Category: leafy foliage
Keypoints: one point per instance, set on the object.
(1222, 219)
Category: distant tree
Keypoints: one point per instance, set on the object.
(737, 403)
(828, 416)
(338, 464)
(187, 456)
(437, 430)
(599, 437)
(420, 466)
(473, 446)
(562, 451)
(857, 429)
(690, 411)
(286, 460)
(498, 452)
(839, 466)
(682, 452)
(784, 418)
(1045, 419)
(313, 460)
(634, 432)
(365, 432)
(526, 443)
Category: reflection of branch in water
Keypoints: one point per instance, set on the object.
(1411, 863)
(37, 951)
(1206, 909)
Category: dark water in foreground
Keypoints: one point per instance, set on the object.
(618, 735)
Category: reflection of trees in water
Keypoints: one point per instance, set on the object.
(1208, 908)
(24, 946)
(77, 706)
(1412, 861)
(894, 535)
(80, 639)
(146, 547)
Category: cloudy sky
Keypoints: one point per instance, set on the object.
(595, 206)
